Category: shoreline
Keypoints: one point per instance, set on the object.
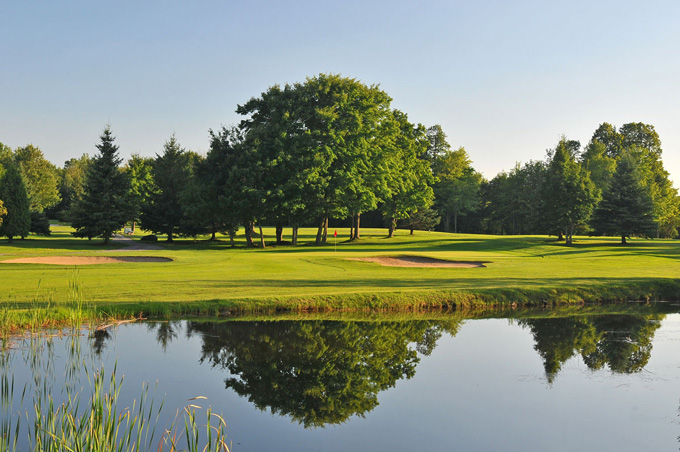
(31, 316)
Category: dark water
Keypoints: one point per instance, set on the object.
(586, 382)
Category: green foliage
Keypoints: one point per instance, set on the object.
(328, 147)
(106, 204)
(425, 219)
(72, 185)
(599, 164)
(40, 176)
(569, 195)
(229, 182)
(626, 208)
(205, 200)
(514, 202)
(17, 220)
(162, 213)
(437, 145)
(3, 211)
(608, 137)
(410, 175)
(139, 170)
(457, 187)
(40, 224)
(6, 157)
(642, 141)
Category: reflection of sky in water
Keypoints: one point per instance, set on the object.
(484, 389)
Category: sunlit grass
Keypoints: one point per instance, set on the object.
(209, 276)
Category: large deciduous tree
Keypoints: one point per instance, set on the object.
(234, 181)
(410, 176)
(17, 219)
(626, 208)
(41, 177)
(106, 205)
(320, 149)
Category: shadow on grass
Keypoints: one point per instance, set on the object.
(425, 283)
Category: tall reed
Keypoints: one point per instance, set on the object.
(100, 422)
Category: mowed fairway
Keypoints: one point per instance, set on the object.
(203, 271)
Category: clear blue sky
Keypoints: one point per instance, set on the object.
(505, 79)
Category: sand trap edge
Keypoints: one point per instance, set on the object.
(419, 262)
(86, 260)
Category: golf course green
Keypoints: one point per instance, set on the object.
(209, 277)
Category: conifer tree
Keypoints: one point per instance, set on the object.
(106, 205)
(17, 220)
(172, 172)
(627, 207)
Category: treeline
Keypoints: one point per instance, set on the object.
(332, 148)
(616, 185)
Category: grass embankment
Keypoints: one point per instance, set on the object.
(209, 277)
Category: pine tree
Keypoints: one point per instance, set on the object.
(106, 205)
(163, 212)
(17, 220)
(627, 207)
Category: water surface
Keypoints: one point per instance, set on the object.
(581, 382)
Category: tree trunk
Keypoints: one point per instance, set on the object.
(455, 222)
(319, 231)
(351, 229)
(392, 227)
(568, 235)
(231, 237)
(357, 233)
(623, 239)
(279, 233)
(170, 236)
(295, 235)
(447, 222)
(560, 237)
(325, 230)
(249, 234)
(411, 231)
(262, 244)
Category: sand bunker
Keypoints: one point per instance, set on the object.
(418, 261)
(85, 260)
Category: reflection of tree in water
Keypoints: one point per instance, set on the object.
(99, 339)
(621, 342)
(626, 344)
(318, 372)
(166, 332)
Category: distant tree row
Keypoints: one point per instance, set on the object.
(616, 186)
(333, 148)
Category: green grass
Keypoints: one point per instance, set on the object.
(210, 277)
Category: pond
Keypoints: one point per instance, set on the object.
(539, 381)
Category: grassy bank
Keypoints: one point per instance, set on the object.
(211, 278)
